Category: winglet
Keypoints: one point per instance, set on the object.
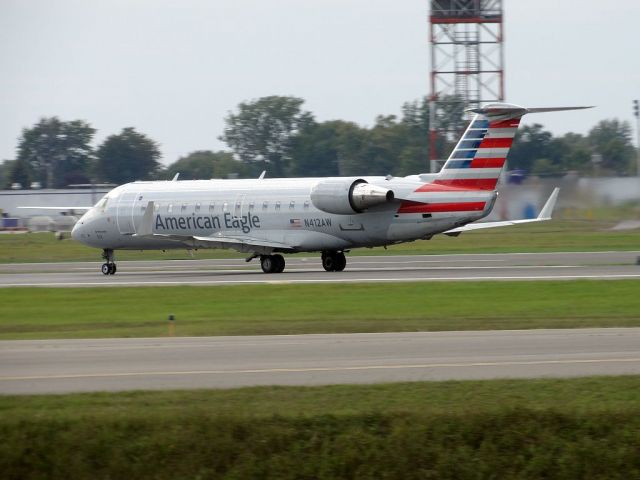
(175, 177)
(547, 210)
(264, 172)
(146, 224)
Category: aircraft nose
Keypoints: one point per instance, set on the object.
(76, 231)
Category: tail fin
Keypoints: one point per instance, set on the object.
(480, 155)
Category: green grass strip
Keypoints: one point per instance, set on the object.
(326, 308)
(565, 429)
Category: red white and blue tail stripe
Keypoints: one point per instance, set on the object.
(467, 182)
(479, 157)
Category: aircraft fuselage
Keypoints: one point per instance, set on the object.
(276, 211)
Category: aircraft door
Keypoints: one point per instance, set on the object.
(126, 205)
(239, 207)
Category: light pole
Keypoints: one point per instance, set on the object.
(636, 113)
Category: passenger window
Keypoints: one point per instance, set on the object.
(251, 205)
(197, 207)
(306, 204)
(265, 205)
(184, 207)
(292, 205)
(225, 206)
(278, 205)
(212, 207)
(170, 208)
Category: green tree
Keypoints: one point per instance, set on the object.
(205, 164)
(414, 157)
(6, 168)
(574, 153)
(612, 140)
(353, 142)
(126, 157)
(55, 153)
(544, 167)
(262, 130)
(20, 174)
(315, 150)
(530, 144)
(386, 141)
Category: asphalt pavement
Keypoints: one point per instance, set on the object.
(386, 268)
(62, 366)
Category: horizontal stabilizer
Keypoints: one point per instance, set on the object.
(555, 109)
(544, 215)
(506, 109)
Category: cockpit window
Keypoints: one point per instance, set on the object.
(102, 204)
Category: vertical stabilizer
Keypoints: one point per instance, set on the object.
(479, 157)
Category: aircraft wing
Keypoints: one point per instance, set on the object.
(242, 243)
(545, 214)
(60, 209)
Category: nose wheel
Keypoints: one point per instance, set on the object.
(108, 268)
(333, 261)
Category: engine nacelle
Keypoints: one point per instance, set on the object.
(344, 196)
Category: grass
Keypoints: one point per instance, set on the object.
(557, 235)
(330, 308)
(578, 428)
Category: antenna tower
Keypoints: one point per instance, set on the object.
(467, 61)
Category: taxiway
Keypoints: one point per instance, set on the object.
(62, 366)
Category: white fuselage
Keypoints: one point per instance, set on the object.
(273, 211)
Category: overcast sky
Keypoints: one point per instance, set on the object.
(174, 68)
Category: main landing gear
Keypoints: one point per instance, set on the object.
(333, 261)
(272, 263)
(108, 268)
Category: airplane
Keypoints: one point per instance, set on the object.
(266, 218)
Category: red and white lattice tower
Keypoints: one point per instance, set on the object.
(467, 63)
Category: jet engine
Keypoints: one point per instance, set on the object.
(345, 196)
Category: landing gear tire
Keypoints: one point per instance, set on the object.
(333, 261)
(108, 268)
(272, 263)
(279, 259)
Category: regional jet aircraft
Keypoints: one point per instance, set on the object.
(268, 217)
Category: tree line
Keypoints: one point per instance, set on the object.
(278, 135)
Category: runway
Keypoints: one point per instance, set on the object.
(62, 366)
(389, 268)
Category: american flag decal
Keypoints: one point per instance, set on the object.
(295, 222)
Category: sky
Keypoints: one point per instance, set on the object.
(173, 69)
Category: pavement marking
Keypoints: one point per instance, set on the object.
(328, 280)
(212, 260)
(138, 271)
(321, 369)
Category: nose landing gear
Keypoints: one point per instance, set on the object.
(108, 268)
